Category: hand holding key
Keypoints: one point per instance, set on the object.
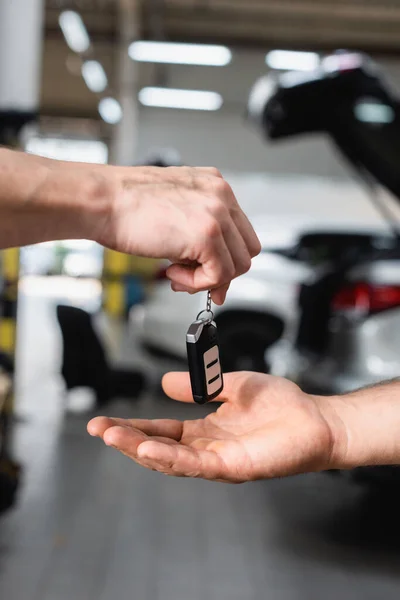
(189, 216)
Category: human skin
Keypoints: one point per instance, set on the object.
(266, 427)
(189, 216)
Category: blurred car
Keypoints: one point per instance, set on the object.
(346, 99)
(346, 332)
(259, 321)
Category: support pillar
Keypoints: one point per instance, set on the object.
(21, 34)
(118, 267)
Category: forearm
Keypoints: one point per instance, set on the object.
(42, 200)
(367, 426)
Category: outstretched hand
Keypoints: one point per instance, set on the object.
(266, 427)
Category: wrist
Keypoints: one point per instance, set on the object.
(365, 426)
(76, 203)
(334, 411)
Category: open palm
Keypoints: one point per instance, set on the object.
(266, 427)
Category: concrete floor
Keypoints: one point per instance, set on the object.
(90, 525)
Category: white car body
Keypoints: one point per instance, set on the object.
(362, 349)
(268, 288)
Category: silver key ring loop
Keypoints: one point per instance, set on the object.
(210, 318)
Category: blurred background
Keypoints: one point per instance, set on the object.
(296, 102)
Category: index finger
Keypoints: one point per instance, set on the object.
(167, 428)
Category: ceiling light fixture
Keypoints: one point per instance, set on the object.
(183, 54)
(110, 110)
(74, 31)
(289, 60)
(94, 76)
(182, 99)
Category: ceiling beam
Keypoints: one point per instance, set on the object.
(349, 10)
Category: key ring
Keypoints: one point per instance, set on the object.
(207, 310)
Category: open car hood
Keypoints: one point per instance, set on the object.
(349, 99)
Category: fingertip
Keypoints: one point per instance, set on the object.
(97, 426)
(91, 428)
(177, 386)
(218, 297)
(176, 287)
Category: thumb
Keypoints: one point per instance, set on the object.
(177, 386)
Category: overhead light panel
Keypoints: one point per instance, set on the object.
(94, 76)
(74, 31)
(110, 110)
(288, 60)
(183, 99)
(182, 54)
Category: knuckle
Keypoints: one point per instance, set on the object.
(220, 211)
(246, 264)
(222, 187)
(215, 172)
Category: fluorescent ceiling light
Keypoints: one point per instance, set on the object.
(110, 110)
(288, 60)
(183, 99)
(183, 54)
(94, 76)
(74, 31)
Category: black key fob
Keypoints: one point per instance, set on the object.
(204, 361)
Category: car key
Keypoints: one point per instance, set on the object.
(203, 356)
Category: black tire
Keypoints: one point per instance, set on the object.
(244, 339)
